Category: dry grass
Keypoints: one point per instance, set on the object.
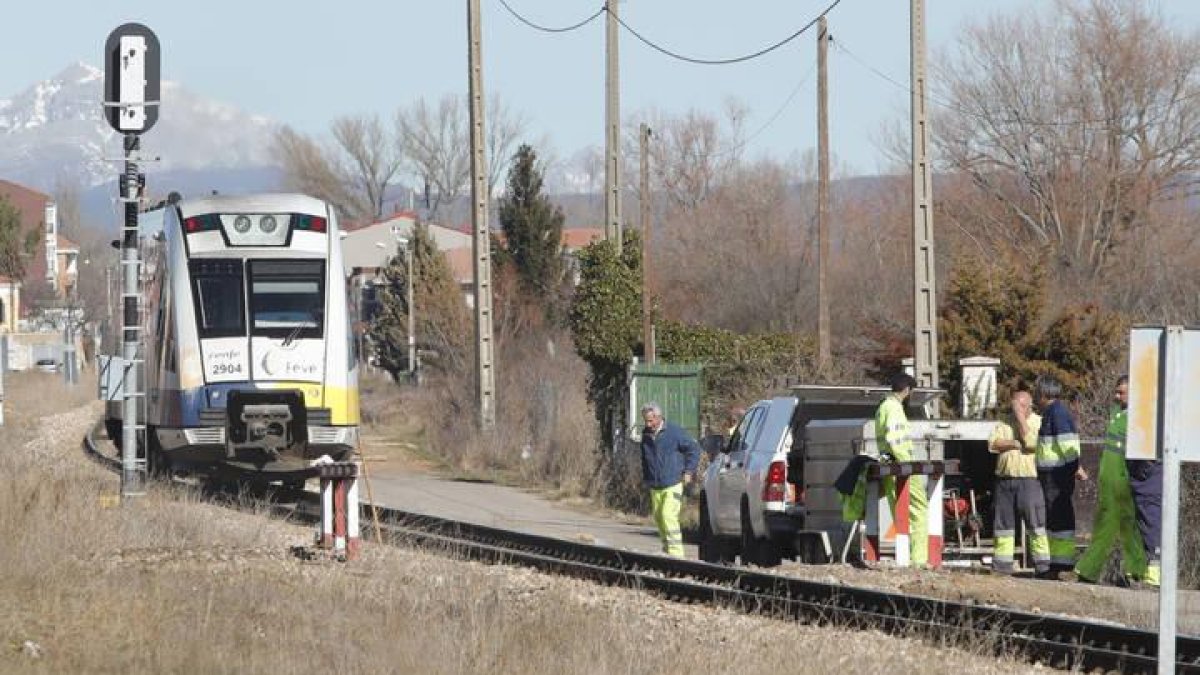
(169, 584)
(545, 432)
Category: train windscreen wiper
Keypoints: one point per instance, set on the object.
(312, 314)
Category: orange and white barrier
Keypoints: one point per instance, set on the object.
(879, 525)
(339, 508)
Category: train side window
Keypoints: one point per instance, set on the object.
(167, 331)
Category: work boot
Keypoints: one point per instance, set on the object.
(1068, 576)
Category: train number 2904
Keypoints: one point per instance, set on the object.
(227, 369)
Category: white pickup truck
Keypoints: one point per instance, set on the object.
(769, 494)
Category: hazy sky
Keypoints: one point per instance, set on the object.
(304, 63)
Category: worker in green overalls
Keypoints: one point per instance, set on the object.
(1116, 521)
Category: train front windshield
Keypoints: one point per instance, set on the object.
(285, 298)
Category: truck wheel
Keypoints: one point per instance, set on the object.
(810, 550)
(157, 467)
(756, 551)
(712, 548)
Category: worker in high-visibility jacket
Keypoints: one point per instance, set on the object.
(1014, 441)
(1058, 470)
(669, 460)
(1115, 516)
(894, 436)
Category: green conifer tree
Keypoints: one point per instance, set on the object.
(532, 229)
(15, 249)
(441, 313)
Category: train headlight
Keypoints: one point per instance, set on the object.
(241, 229)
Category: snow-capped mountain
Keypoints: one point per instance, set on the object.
(56, 129)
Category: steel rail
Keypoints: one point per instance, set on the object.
(1061, 641)
(1053, 640)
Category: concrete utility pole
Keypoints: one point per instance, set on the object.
(485, 376)
(612, 129)
(410, 262)
(823, 348)
(70, 374)
(644, 207)
(3, 370)
(925, 357)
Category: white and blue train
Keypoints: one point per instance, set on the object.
(249, 357)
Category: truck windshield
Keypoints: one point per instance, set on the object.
(220, 301)
(287, 298)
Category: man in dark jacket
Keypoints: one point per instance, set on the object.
(1058, 468)
(669, 459)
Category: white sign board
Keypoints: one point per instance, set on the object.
(133, 83)
(1164, 394)
(1155, 380)
(131, 78)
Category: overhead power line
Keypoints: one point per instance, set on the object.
(722, 62)
(552, 29)
(745, 142)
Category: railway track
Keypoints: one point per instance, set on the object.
(1056, 641)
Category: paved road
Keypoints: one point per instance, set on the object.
(506, 507)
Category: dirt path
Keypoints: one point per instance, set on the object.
(415, 488)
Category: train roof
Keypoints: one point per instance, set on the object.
(260, 203)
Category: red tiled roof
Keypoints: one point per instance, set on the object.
(578, 237)
(65, 244)
(351, 226)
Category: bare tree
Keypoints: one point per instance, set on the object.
(690, 154)
(311, 169)
(437, 147)
(353, 171)
(369, 158)
(505, 128)
(1077, 123)
(67, 196)
(436, 142)
(736, 260)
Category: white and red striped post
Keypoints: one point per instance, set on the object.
(339, 508)
(937, 515)
(873, 525)
(878, 508)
